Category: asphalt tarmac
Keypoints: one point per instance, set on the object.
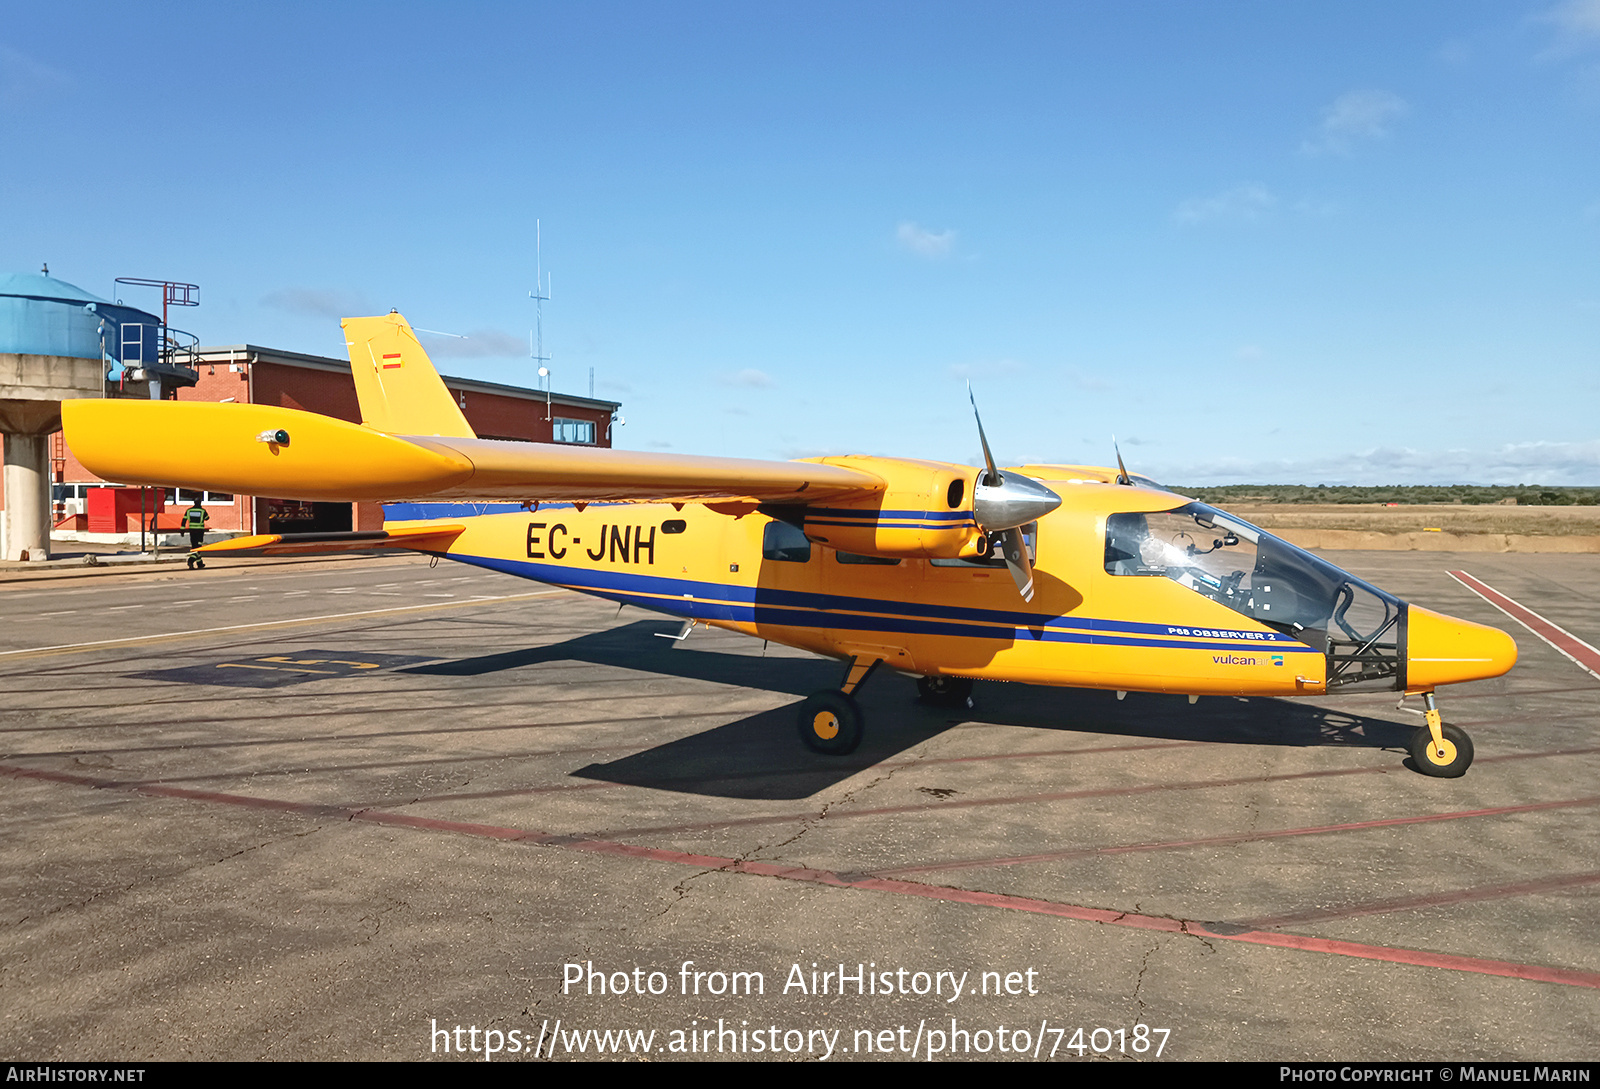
(339, 810)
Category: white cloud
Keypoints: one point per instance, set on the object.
(318, 302)
(988, 368)
(1577, 24)
(1354, 117)
(22, 78)
(749, 378)
(923, 242)
(1244, 202)
(1569, 464)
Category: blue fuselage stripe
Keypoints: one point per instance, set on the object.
(792, 608)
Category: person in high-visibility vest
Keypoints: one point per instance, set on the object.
(194, 521)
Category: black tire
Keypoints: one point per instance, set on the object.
(945, 691)
(1452, 762)
(830, 723)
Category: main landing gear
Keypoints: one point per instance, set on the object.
(1437, 749)
(830, 721)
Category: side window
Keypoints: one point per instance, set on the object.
(781, 541)
(880, 561)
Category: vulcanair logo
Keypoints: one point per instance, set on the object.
(1238, 659)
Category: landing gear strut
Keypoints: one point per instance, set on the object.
(830, 721)
(1437, 749)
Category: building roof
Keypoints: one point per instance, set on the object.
(247, 353)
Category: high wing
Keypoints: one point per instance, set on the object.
(413, 443)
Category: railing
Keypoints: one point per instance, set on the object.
(180, 348)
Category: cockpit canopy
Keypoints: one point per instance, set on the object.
(1230, 561)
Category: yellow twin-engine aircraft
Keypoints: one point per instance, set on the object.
(1046, 574)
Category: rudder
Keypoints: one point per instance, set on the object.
(399, 390)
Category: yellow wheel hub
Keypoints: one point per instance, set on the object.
(1443, 753)
(825, 724)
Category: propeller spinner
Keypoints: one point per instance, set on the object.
(1003, 503)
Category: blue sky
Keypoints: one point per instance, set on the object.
(1340, 242)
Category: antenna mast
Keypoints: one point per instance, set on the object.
(540, 295)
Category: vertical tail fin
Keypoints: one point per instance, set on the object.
(399, 391)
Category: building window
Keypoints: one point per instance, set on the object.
(573, 430)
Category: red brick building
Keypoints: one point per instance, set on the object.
(248, 374)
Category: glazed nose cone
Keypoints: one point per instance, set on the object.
(1444, 650)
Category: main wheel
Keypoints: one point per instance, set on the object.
(945, 691)
(1447, 761)
(830, 722)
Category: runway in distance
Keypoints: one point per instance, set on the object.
(1044, 574)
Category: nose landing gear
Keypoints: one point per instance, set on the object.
(1437, 749)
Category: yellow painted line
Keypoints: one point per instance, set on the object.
(265, 625)
(274, 669)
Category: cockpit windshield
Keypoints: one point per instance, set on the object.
(1267, 579)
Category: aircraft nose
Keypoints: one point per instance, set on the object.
(1444, 650)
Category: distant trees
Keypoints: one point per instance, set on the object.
(1526, 495)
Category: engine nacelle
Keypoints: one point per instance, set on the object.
(924, 511)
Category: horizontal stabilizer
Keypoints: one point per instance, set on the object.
(412, 538)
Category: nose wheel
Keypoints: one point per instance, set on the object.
(1437, 749)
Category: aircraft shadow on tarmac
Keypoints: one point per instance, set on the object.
(761, 756)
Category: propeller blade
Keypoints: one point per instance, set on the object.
(1122, 470)
(993, 476)
(1016, 557)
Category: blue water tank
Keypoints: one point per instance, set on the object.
(40, 315)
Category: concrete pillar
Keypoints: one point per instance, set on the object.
(27, 493)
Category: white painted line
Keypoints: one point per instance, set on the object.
(1586, 657)
(136, 639)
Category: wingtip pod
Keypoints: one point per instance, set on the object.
(1444, 650)
(400, 391)
(237, 448)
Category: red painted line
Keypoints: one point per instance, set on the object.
(391, 355)
(1064, 795)
(1404, 903)
(1586, 657)
(1214, 931)
(1016, 799)
(1228, 840)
